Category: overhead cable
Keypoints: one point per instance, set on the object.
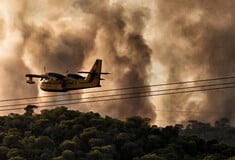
(121, 94)
(127, 97)
(125, 88)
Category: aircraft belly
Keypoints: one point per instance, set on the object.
(78, 86)
(75, 86)
(52, 87)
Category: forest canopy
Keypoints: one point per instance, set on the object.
(62, 134)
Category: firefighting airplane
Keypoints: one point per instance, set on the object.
(54, 82)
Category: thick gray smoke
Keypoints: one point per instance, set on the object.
(63, 36)
(140, 42)
(11, 49)
(199, 41)
(124, 49)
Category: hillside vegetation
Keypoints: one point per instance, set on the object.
(62, 134)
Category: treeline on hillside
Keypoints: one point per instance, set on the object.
(221, 131)
(62, 134)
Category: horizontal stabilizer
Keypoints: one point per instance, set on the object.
(93, 73)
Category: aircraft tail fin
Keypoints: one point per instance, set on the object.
(94, 74)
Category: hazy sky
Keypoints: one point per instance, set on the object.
(141, 42)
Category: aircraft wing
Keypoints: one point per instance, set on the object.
(46, 76)
(36, 76)
(31, 76)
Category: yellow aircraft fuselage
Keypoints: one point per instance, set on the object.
(67, 84)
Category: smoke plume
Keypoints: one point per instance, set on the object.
(63, 36)
(197, 40)
(140, 42)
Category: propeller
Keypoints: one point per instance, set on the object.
(44, 69)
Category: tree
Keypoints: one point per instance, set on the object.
(68, 155)
(3, 152)
(43, 141)
(94, 155)
(68, 145)
(210, 157)
(153, 142)
(170, 132)
(15, 152)
(39, 148)
(130, 149)
(101, 153)
(17, 158)
(223, 122)
(61, 134)
(29, 110)
(88, 133)
(11, 141)
(150, 157)
(93, 142)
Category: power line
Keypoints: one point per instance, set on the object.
(130, 97)
(142, 96)
(125, 88)
(122, 94)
